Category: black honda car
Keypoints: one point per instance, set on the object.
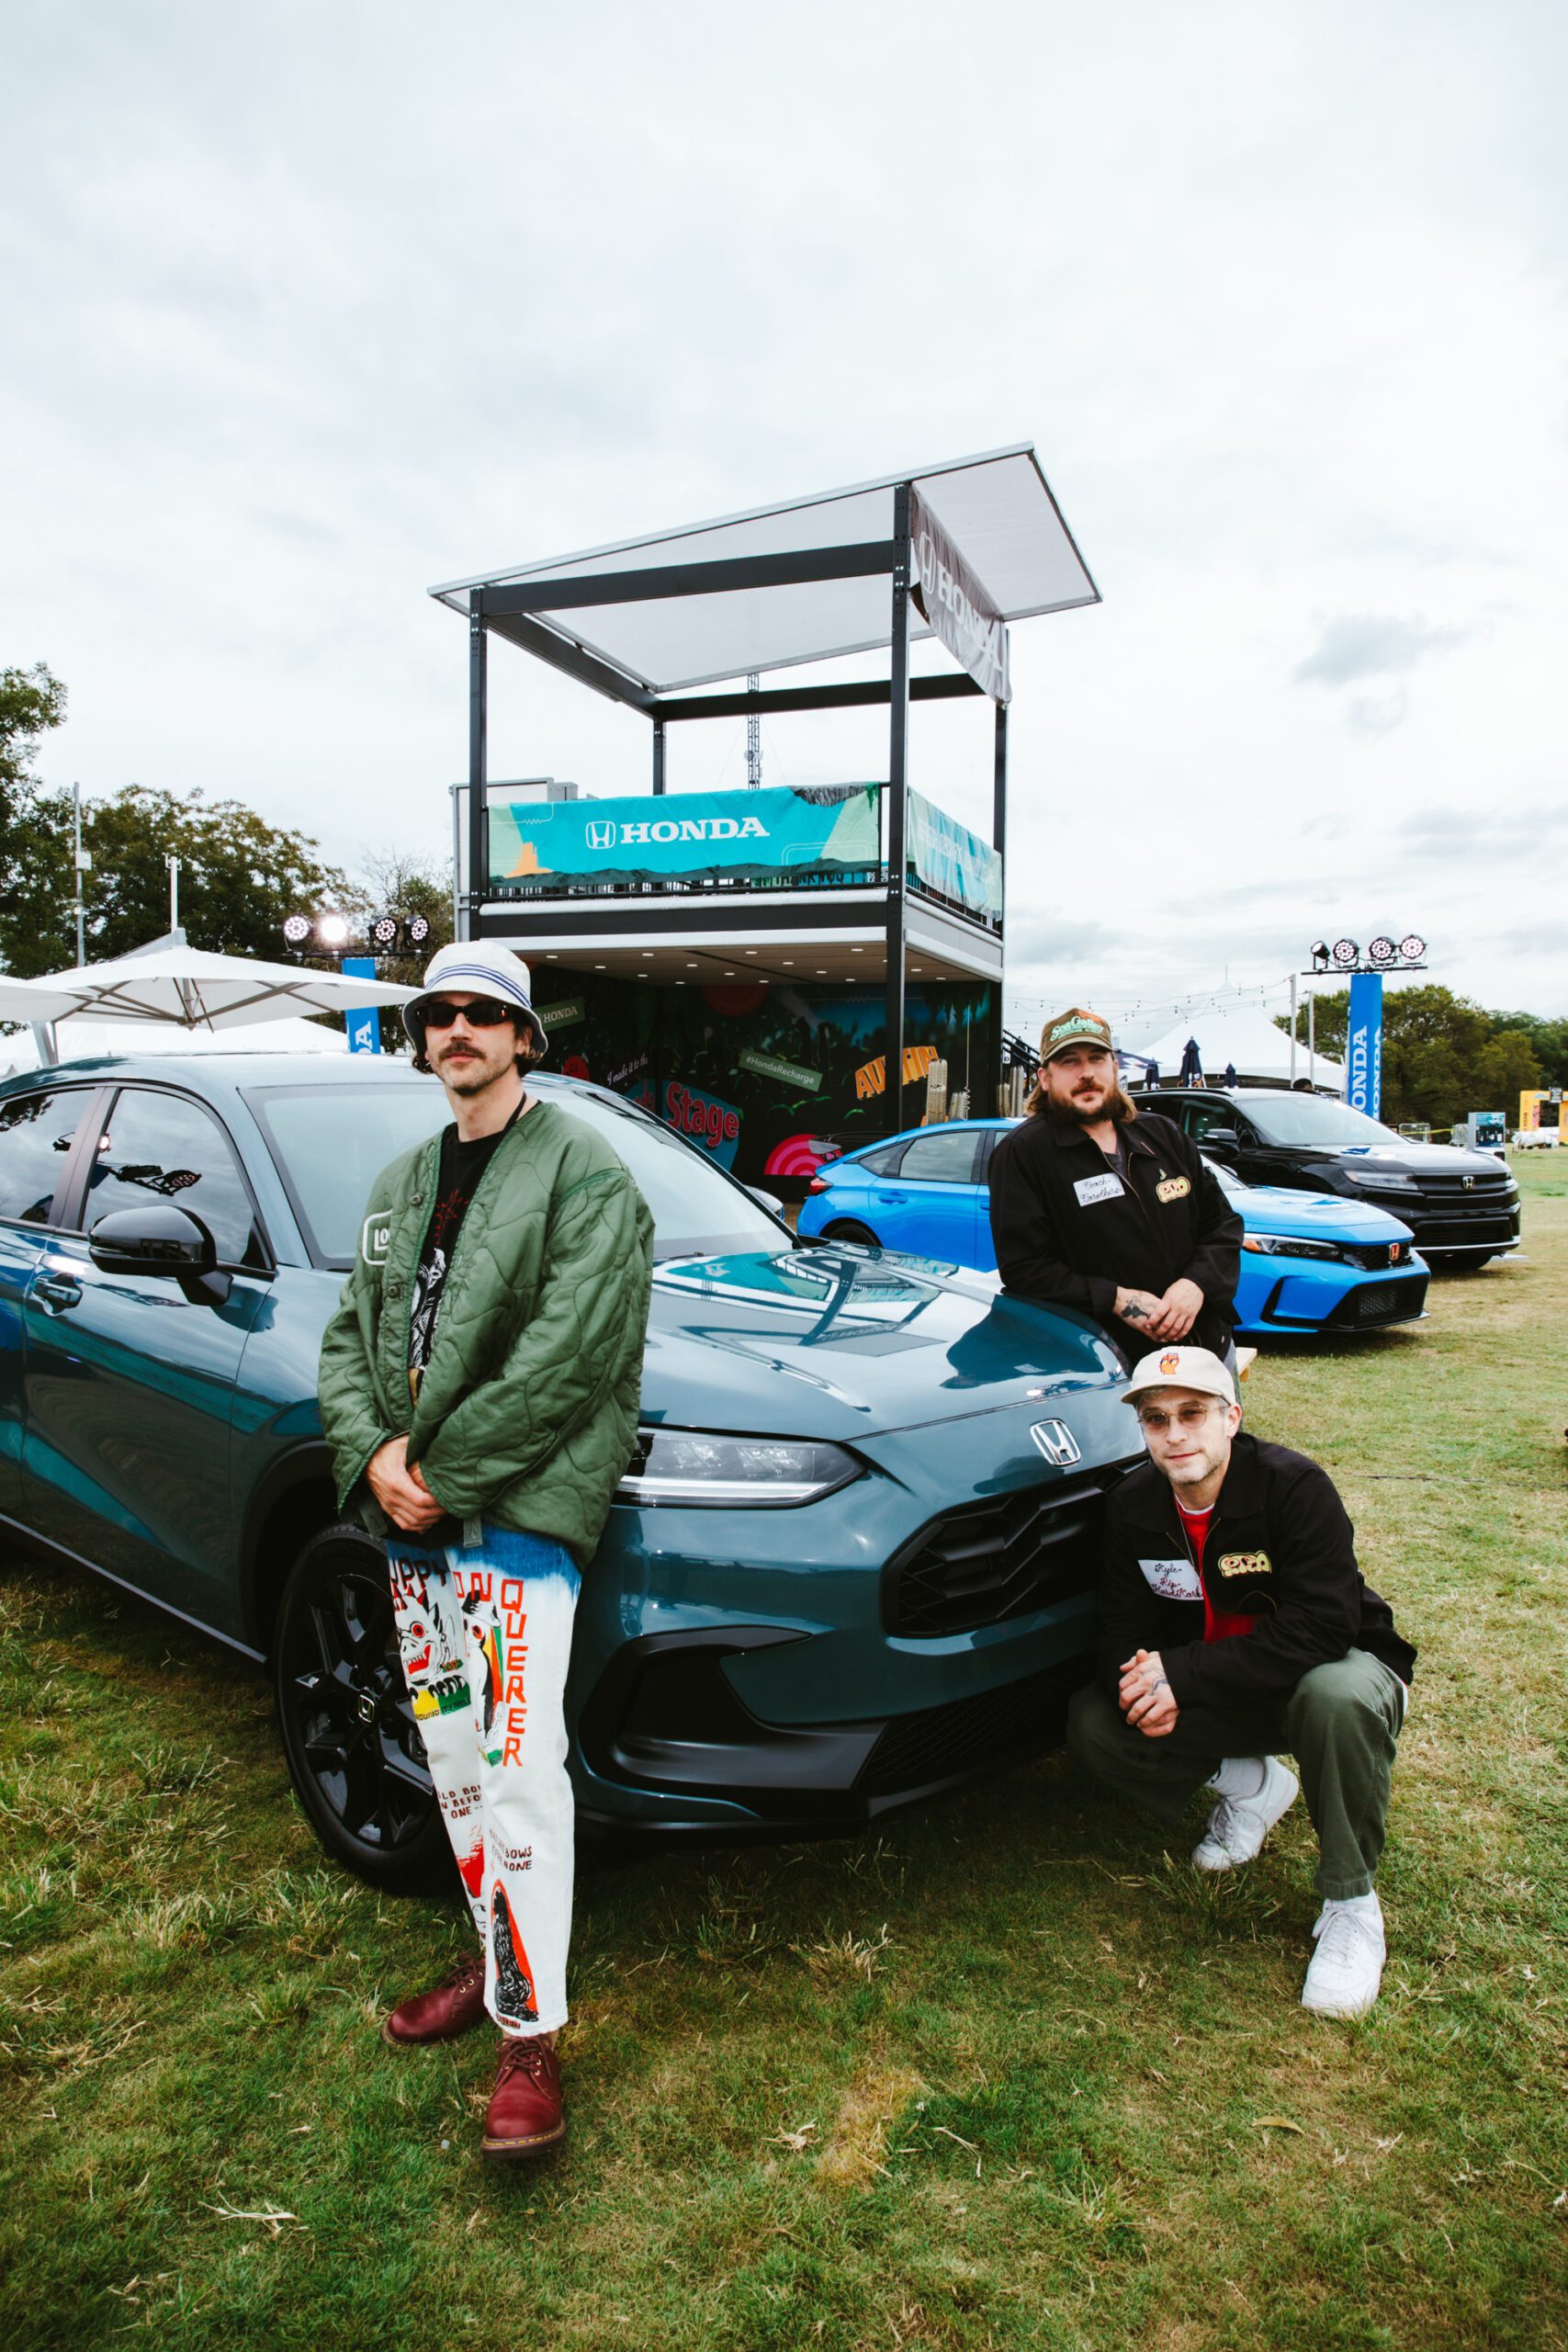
(1461, 1207)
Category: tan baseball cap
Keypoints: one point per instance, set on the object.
(1076, 1026)
(1197, 1368)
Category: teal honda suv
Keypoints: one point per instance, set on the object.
(849, 1565)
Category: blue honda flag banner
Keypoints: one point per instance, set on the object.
(363, 1023)
(1363, 1048)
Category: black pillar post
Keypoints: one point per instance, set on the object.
(999, 843)
(659, 755)
(479, 698)
(897, 789)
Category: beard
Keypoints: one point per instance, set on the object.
(1089, 1107)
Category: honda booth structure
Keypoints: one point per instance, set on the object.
(785, 971)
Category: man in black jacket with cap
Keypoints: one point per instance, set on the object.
(1098, 1206)
(1232, 1621)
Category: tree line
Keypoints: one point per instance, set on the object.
(238, 876)
(1444, 1056)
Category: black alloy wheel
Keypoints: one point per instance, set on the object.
(848, 1230)
(353, 1745)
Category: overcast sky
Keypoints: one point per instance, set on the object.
(308, 306)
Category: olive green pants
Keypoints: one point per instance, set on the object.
(1340, 1724)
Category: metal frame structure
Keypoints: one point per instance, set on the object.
(510, 608)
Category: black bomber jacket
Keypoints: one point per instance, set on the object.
(1069, 1231)
(1280, 1548)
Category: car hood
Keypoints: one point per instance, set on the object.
(1409, 1159)
(1327, 1217)
(841, 1341)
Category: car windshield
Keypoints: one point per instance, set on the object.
(1316, 1118)
(331, 1143)
(1229, 1181)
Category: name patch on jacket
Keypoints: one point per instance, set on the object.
(1172, 1579)
(1091, 1188)
(1175, 1188)
(375, 1237)
(1245, 1564)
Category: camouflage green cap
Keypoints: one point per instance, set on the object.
(1076, 1026)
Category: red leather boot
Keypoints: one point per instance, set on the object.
(455, 2006)
(525, 2115)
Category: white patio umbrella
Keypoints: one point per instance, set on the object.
(169, 980)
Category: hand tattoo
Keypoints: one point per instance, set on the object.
(1134, 1313)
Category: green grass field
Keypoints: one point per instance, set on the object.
(1008, 2074)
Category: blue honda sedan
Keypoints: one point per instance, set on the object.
(851, 1564)
(1312, 1263)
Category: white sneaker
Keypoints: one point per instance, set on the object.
(1238, 1825)
(1346, 1967)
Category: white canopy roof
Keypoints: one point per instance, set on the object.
(1244, 1034)
(170, 980)
(997, 508)
(81, 1038)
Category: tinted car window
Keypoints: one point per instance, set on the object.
(1202, 1118)
(324, 1138)
(37, 1132)
(1317, 1118)
(884, 1162)
(167, 1147)
(945, 1157)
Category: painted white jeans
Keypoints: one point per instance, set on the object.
(485, 1631)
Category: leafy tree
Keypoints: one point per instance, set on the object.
(31, 702)
(401, 883)
(1548, 1040)
(36, 871)
(1442, 1055)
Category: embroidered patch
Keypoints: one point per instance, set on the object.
(1091, 1188)
(1245, 1564)
(1175, 1188)
(1170, 1363)
(375, 1237)
(1172, 1579)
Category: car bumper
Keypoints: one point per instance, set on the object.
(743, 1675)
(1315, 1296)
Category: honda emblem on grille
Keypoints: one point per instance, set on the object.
(1056, 1442)
(1468, 1184)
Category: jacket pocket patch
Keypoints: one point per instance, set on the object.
(1175, 1188)
(1245, 1564)
(375, 1237)
(1172, 1579)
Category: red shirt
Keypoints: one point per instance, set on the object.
(1217, 1625)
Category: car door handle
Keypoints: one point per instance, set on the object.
(58, 1290)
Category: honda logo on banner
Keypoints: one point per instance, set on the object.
(1056, 1442)
(1363, 1046)
(602, 836)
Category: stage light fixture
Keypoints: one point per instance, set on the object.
(295, 930)
(1344, 951)
(1383, 950)
(384, 932)
(1412, 947)
(1319, 953)
(332, 929)
(417, 930)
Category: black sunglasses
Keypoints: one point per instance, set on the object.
(483, 1013)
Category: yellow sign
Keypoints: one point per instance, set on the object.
(871, 1077)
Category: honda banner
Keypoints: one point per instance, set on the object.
(951, 598)
(1363, 1046)
(766, 835)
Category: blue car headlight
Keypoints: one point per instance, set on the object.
(1289, 1245)
(688, 1466)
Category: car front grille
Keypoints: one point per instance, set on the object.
(1398, 1302)
(1373, 1255)
(1484, 1230)
(995, 1560)
(974, 1735)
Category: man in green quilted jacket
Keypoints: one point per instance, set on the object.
(479, 1385)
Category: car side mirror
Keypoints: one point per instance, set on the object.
(1221, 1139)
(158, 1240)
(769, 1201)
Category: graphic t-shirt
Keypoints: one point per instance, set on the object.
(456, 1180)
(1218, 1625)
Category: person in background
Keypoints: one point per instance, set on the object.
(479, 1390)
(1231, 1621)
(1099, 1206)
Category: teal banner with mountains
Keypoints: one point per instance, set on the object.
(775, 831)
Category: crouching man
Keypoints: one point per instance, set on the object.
(479, 1390)
(1231, 1622)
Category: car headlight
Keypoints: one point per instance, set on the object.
(1289, 1244)
(768, 1473)
(1386, 1181)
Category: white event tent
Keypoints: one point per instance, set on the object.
(1245, 1034)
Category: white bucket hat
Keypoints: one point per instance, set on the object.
(478, 968)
